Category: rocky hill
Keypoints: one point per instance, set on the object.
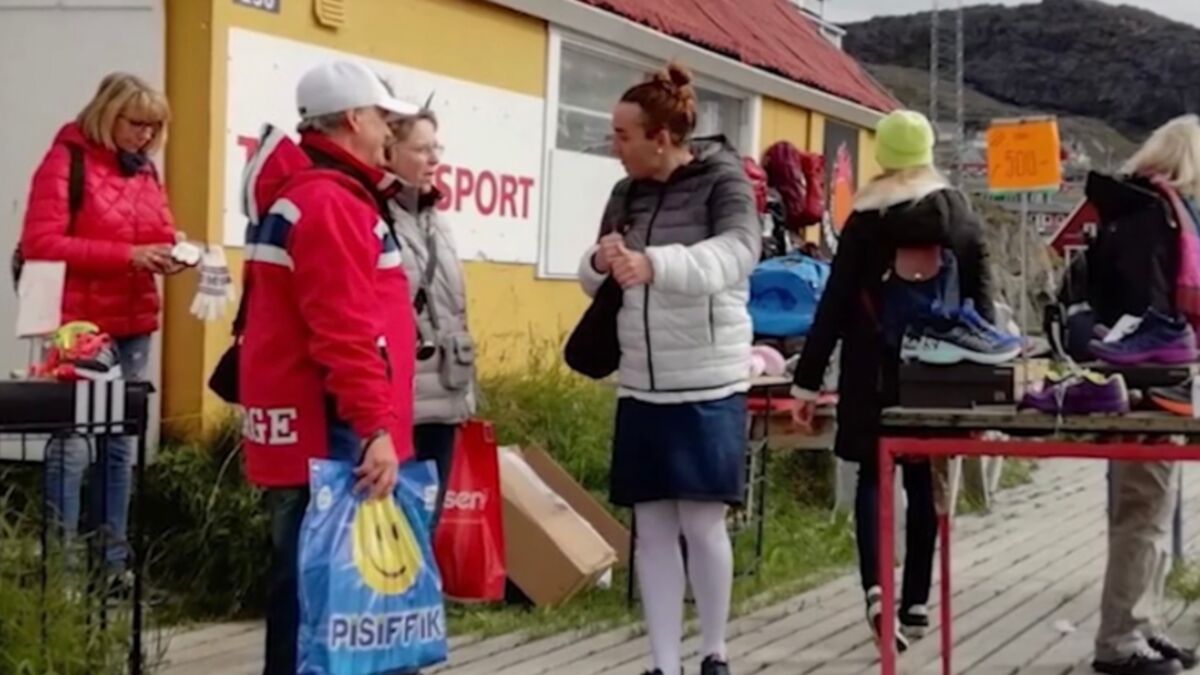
(1128, 67)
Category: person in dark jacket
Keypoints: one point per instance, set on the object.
(1137, 265)
(911, 206)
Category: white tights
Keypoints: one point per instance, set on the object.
(660, 573)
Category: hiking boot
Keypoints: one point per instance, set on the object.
(875, 619)
(714, 666)
(1145, 662)
(1165, 646)
(1158, 339)
(914, 621)
(1176, 400)
(1083, 395)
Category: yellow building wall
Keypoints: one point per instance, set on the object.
(783, 122)
(470, 40)
(868, 167)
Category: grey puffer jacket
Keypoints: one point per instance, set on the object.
(420, 229)
(686, 337)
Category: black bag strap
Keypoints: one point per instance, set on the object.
(74, 185)
(421, 301)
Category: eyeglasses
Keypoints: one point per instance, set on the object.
(430, 150)
(144, 125)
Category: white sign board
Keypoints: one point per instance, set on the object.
(579, 193)
(491, 174)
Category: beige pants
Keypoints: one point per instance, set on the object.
(1139, 556)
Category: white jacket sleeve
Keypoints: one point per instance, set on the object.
(589, 278)
(721, 261)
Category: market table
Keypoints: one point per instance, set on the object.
(97, 411)
(955, 433)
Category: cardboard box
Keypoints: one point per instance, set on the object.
(581, 500)
(553, 553)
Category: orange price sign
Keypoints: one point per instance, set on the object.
(1024, 155)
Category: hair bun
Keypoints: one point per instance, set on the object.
(678, 76)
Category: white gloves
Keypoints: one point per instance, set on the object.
(216, 286)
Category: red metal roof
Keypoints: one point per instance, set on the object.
(771, 35)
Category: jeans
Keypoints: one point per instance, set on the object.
(1139, 556)
(920, 526)
(286, 509)
(67, 459)
(436, 442)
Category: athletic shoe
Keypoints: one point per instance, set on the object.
(1158, 339)
(1081, 395)
(1145, 662)
(972, 318)
(947, 342)
(1176, 400)
(875, 619)
(1165, 646)
(914, 621)
(714, 666)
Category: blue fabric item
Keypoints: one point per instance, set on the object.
(370, 592)
(679, 451)
(784, 294)
(909, 303)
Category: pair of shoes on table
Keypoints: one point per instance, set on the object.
(1079, 392)
(1161, 656)
(962, 335)
(1159, 338)
(712, 666)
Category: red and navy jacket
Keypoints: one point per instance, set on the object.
(328, 346)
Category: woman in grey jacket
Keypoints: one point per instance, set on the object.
(445, 374)
(691, 239)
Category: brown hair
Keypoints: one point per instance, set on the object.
(668, 101)
(403, 126)
(123, 94)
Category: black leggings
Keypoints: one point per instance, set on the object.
(921, 530)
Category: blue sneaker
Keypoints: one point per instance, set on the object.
(951, 340)
(972, 318)
(1159, 339)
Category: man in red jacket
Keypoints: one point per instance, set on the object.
(328, 345)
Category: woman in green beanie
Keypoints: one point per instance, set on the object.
(909, 209)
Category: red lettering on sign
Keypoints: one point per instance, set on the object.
(487, 179)
(249, 143)
(508, 195)
(526, 185)
(464, 186)
(443, 186)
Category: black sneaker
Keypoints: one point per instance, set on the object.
(714, 666)
(1163, 645)
(1141, 663)
(875, 619)
(914, 621)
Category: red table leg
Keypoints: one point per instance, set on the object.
(947, 612)
(887, 557)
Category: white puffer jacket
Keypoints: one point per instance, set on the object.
(686, 338)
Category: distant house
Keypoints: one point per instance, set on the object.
(1072, 234)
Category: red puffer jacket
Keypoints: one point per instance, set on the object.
(118, 213)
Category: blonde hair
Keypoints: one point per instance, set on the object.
(123, 94)
(1173, 151)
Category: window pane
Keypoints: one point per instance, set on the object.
(589, 87)
(591, 82)
(583, 131)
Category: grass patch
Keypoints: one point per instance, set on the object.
(1014, 473)
(56, 631)
(1184, 582)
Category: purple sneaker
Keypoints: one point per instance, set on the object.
(1159, 339)
(1085, 394)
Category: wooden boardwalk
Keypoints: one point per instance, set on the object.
(1027, 587)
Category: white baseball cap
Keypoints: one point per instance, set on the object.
(338, 86)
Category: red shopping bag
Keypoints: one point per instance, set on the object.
(469, 543)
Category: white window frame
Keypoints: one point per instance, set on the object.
(747, 142)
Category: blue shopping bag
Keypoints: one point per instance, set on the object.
(370, 593)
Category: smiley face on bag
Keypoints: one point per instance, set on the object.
(385, 550)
